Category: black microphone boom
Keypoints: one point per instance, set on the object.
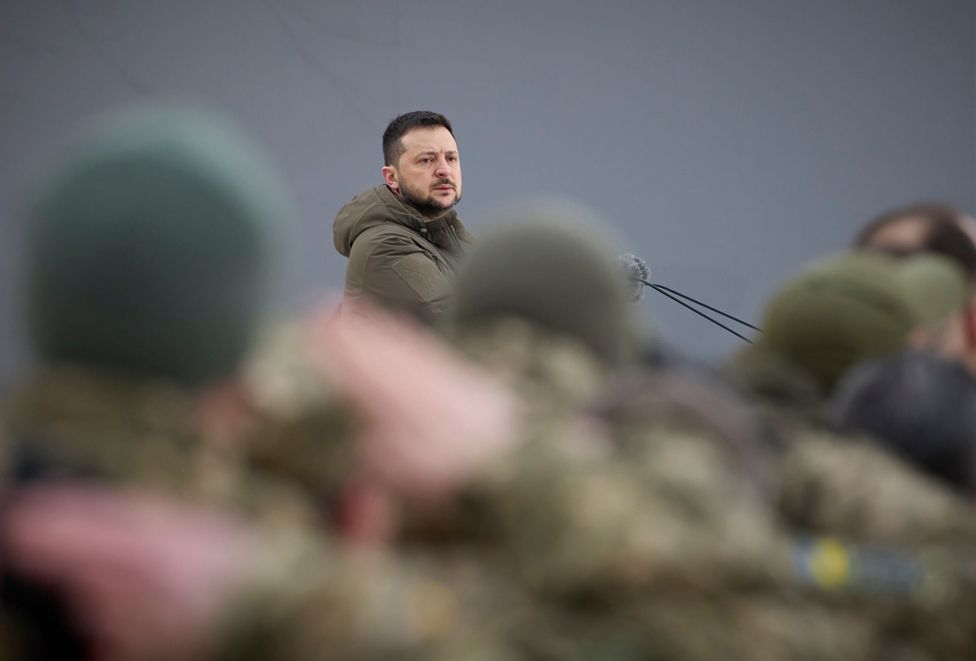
(659, 287)
(664, 291)
(639, 275)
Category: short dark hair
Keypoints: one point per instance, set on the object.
(392, 143)
(944, 234)
(918, 405)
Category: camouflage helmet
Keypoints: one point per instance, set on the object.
(548, 266)
(150, 248)
(837, 313)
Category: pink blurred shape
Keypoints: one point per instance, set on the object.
(145, 578)
(433, 419)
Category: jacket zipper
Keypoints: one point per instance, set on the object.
(453, 239)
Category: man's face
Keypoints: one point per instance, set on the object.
(428, 174)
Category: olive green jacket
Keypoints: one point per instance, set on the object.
(395, 257)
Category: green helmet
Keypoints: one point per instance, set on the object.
(936, 286)
(838, 313)
(545, 266)
(150, 250)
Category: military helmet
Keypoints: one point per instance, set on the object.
(150, 249)
(837, 313)
(547, 264)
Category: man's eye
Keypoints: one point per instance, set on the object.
(452, 159)
(425, 161)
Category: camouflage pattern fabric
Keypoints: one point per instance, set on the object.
(74, 423)
(640, 538)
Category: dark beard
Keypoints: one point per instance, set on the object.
(426, 206)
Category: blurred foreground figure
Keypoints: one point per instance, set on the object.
(928, 227)
(545, 266)
(946, 232)
(125, 468)
(841, 311)
(129, 576)
(116, 575)
(150, 253)
(922, 407)
(820, 323)
(827, 320)
(633, 510)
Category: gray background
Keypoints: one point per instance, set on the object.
(727, 142)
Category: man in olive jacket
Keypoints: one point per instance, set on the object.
(403, 238)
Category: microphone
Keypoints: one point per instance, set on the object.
(639, 276)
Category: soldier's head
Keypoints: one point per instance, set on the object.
(421, 162)
(150, 249)
(921, 406)
(927, 227)
(837, 313)
(546, 266)
(941, 230)
(940, 295)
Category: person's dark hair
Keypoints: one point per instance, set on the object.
(920, 406)
(944, 234)
(392, 143)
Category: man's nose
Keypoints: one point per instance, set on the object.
(443, 168)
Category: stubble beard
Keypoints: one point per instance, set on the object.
(427, 205)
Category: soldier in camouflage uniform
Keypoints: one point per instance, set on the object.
(638, 527)
(634, 513)
(820, 323)
(148, 268)
(841, 311)
(825, 321)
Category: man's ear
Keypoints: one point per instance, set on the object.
(390, 177)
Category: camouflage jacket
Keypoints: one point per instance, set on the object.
(75, 423)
